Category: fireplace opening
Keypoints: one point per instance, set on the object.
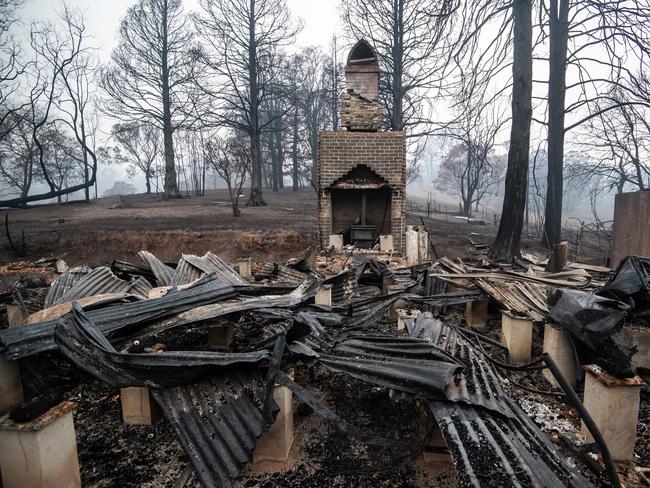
(361, 215)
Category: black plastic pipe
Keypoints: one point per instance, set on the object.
(572, 396)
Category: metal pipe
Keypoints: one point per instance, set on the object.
(612, 472)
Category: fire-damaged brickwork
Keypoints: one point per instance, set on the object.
(382, 153)
(361, 170)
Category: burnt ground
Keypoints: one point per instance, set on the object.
(112, 454)
(111, 228)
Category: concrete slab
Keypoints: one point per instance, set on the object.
(613, 403)
(41, 453)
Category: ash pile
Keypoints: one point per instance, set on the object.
(218, 349)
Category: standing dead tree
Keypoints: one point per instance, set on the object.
(62, 69)
(598, 43)
(151, 75)
(231, 159)
(506, 246)
(407, 36)
(241, 39)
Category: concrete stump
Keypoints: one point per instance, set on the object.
(220, 337)
(138, 406)
(16, 316)
(412, 247)
(557, 344)
(336, 241)
(324, 296)
(41, 453)
(640, 337)
(386, 243)
(11, 385)
(272, 451)
(517, 336)
(613, 403)
(476, 314)
(245, 268)
(403, 315)
(392, 311)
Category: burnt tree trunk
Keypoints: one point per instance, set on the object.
(171, 185)
(559, 34)
(506, 245)
(255, 198)
(294, 149)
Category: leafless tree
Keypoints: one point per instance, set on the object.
(61, 72)
(600, 41)
(407, 35)
(471, 168)
(241, 39)
(151, 75)
(139, 144)
(12, 69)
(506, 246)
(231, 158)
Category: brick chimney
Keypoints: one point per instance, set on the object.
(362, 170)
(360, 109)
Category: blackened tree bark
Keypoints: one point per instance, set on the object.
(558, 38)
(506, 245)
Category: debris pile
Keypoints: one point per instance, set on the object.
(126, 325)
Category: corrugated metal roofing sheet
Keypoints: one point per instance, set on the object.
(163, 273)
(63, 283)
(99, 281)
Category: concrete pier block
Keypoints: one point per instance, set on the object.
(423, 246)
(403, 314)
(392, 311)
(517, 336)
(557, 344)
(613, 403)
(272, 451)
(16, 316)
(476, 314)
(138, 406)
(336, 241)
(41, 453)
(640, 337)
(11, 385)
(386, 282)
(324, 295)
(220, 336)
(245, 267)
(412, 254)
(386, 243)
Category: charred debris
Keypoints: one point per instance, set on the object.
(124, 325)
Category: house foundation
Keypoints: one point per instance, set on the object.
(613, 404)
(517, 336)
(41, 453)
